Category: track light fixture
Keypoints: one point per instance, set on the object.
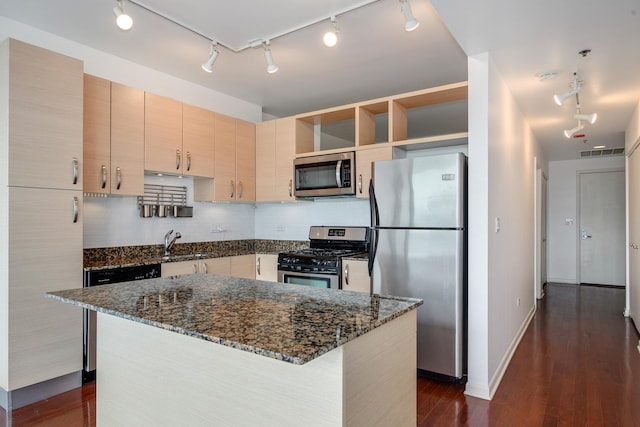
(330, 38)
(591, 118)
(410, 22)
(576, 85)
(271, 66)
(123, 21)
(570, 132)
(213, 54)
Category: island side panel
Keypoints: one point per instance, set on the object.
(149, 376)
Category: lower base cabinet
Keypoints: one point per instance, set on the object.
(267, 267)
(355, 275)
(235, 266)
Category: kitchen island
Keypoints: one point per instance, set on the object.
(216, 350)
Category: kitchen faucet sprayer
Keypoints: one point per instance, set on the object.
(169, 244)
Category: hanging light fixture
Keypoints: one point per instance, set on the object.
(213, 54)
(570, 132)
(591, 118)
(576, 85)
(330, 38)
(271, 66)
(410, 22)
(123, 21)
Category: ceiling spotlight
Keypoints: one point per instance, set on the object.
(575, 88)
(271, 66)
(213, 54)
(591, 118)
(123, 21)
(330, 38)
(410, 22)
(570, 132)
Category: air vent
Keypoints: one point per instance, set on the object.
(602, 153)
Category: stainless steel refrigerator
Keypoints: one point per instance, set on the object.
(418, 249)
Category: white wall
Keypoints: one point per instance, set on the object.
(502, 149)
(562, 265)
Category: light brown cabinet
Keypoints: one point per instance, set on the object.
(355, 275)
(234, 178)
(235, 266)
(267, 267)
(41, 140)
(197, 141)
(364, 159)
(113, 138)
(275, 151)
(243, 266)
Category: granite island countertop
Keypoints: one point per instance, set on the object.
(291, 323)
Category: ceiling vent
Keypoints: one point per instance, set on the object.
(602, 153)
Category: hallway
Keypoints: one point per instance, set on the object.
(578, 364)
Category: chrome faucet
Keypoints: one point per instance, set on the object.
(169, 244)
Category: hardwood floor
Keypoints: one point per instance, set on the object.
(577, 365)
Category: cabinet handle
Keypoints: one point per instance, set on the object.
(240, 189)
(74, 165)
(205, 270)
(188, 161)
(290, 188)
(634, 246)
(118, 177)
(76, 209)
(195, 268)
(360, 183)
(233, 189)
(258, 266)
(346, 274)
(178, 159)
(104, 176)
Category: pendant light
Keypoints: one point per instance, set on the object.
(410, 22)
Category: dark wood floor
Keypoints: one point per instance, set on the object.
(577, 365)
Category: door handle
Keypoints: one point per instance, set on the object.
(346, 274)
(360, 183)
(178, 159)
(584, 235)
(75, 169)
(258, 266)
(118, 177)
(104, 176)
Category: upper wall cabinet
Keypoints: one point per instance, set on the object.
(45, 100)
(198, 127)
(162, 134)
(113, 138)
(421, 119)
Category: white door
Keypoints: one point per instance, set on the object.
(602, 228)
(634, 235)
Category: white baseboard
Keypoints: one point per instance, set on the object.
(487, 391)
(563, 281)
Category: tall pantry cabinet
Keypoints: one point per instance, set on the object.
(40, 216)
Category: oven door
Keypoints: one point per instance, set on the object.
(317, 280)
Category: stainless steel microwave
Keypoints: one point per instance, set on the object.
(325, 175)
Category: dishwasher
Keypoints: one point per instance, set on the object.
(99, 277)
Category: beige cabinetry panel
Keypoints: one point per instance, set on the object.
(45, 254)
(267, 267)
(179, 267)
(45, 120)
(197, 141)
(245, 161)
(220, 266)
(355, 276)
(225, 158)
(113, 138)
(162, 134)
(364, 159)
(243, 266)
(275, 151)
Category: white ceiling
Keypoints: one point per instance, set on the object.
(375, 57)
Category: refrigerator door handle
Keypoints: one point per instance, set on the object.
(375, 221)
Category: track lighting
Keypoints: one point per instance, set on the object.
(591, 118)
(271, 66)
(410, 22)
(330, 38)
(576, 85)
(123, 21)
(570, 132)
(213, 54)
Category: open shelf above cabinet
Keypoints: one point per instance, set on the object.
(427, 118)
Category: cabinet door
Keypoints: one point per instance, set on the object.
(225, 158)
(243, 266)
(197, 141)
(127, 140)
(245, 161)
(355, 276)
(266, 161)
(96, 135)
(267, 267)
(364, 159)
(162, 134)
(45, 254)
(45, 120)
(180, 267)
(285, 143)
(220, 266)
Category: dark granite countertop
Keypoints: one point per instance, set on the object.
(292, 323)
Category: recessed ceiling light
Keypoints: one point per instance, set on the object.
(598, 147)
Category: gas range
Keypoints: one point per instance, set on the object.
(320, 265)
